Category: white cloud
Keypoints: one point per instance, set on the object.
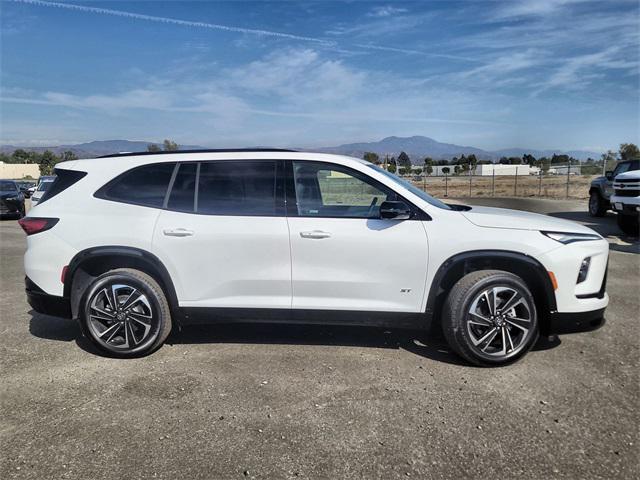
(386, 11)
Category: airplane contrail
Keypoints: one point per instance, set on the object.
(229, 28)
(174, 21)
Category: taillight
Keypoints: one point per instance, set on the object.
(32, 225)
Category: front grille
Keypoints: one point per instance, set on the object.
(627, 193)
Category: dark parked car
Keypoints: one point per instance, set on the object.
(26, 187)
(11, 199)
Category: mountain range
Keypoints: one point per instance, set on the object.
(417, 147)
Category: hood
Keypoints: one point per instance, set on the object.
(630, 175)
(9, 194)
(519, 220)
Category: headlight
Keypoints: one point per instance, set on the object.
(567, 238)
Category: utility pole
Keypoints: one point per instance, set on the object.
(540, 183)
(568, 173)
(515, 185)
(493, 180)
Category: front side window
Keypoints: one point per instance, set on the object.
(327, 190)
(243, 187)
(146, 185)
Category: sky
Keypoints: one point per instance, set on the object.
(561, 74)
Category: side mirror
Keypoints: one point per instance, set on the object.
(609, 174)
(395, 211)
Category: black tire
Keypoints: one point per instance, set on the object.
(629, 224)
(137, 328)
(462, 333)
(597, 205)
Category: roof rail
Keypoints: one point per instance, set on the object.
(207, 150)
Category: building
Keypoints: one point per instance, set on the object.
(486, 169)
(16, 171)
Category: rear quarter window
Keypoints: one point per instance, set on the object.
(64, 179)
(146, 185)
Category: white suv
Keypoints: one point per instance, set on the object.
(135, 243)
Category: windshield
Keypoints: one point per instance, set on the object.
(44, 185)
(412, 188)
(8, 187)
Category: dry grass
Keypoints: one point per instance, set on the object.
(549, 186)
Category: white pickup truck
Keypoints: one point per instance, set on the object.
(625, 201)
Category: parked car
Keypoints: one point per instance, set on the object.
(137, 244)
(626, 201)
(11, 199)
(44, 183)
(602, 188)
(26, 187)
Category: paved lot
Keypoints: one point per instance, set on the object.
(309, 402)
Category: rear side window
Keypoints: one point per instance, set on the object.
(237, 188)
(146, 185)
(64, 179)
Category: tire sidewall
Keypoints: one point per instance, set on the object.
(113, 277)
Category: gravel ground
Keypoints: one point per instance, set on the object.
(316, 402)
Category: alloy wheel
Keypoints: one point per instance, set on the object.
(121, 317)
(500, 322)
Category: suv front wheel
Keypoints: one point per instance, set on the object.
(489, 318)
(125, 313)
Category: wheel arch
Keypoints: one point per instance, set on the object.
(90, 263)
(526, 267)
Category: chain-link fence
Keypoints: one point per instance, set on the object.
(559, 181)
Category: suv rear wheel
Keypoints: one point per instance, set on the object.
(489, 318)
(125, 313)
(597, 207)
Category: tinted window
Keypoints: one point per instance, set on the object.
(146, 185)
(63, 180)
(182, 194)
(325, 190)
(8, 187)
(237, 188)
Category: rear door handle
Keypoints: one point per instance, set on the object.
(315, 234)
(178, 232)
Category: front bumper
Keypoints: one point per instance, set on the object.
(560, 323)
(45, 303)
(625, 205)
(10, 207)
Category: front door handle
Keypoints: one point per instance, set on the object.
(178, 232)
(315, 234)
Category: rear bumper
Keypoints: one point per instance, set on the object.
(45, 303)
(560, 323)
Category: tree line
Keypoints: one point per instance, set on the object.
(47, 160)
(459, 165)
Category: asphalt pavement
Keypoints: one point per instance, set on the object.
(320, 402)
